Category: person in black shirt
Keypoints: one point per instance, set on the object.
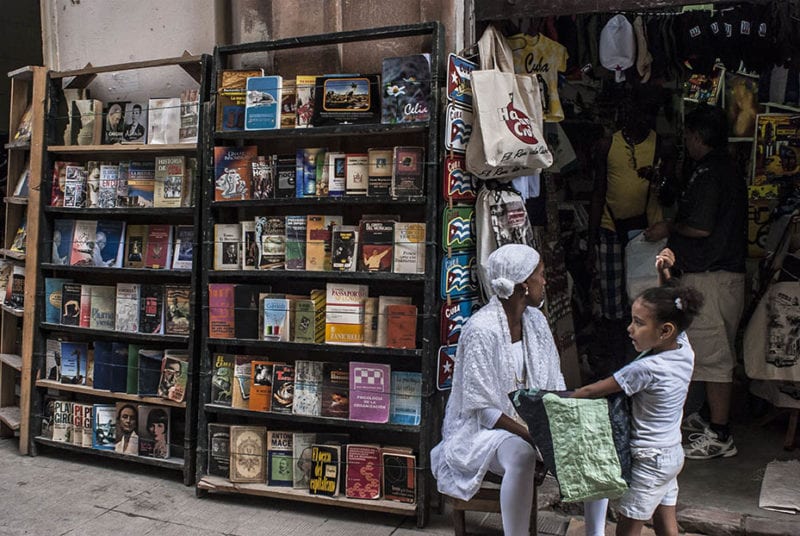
(709, 238)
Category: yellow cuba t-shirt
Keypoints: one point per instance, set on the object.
(542, 56)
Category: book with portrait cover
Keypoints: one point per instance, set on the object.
(154, 431)
(407, 171)
(170, 173)
(177, 312)
(260, 385)
(346, 100)
(335, 390)
(183, 255)
(85, 122)
(159, 246)
(369, 392)
(399, 474)
(110, 243)
(231, 97)
(233, 172)
(406, 96)
(248, 454)
(377, 245)
(263, 104)
(83, 243)
(135, 245)
(282, 388)
(221, 318)
(318, 241)
(279, 458)
(222, 379)
(151, 309)
(219, 449)
(127, 307)
(104, 426)
(114, 123)
(363, 471)
(227, 238)
(174, 375)
(135, 129)
(326, 470)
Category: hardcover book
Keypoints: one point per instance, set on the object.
(407, 172)
(270, 238)
(282, 388)
(304, 101)
(102, 307)
(301, 452)
(335, 390)
(62, 241)
(109, 243)
(369, 392)
(183, 256)
(107, 190)
(344, 248)
(164, 120)
(260, 398)
(154, 431)
(356, 170)
(127, 307)
(399, 476)
(406, 399)
(141, 185)
(295, 242)
(151, 309)
(263, 104)
(221, 318)
(335, 168)
(325, 479)
(174, 375)
(249, 252)
(71, 304)
(231, 97)
(159, 246)
(409, 248)
(363, 480)
(307, 388)
(135, 125)
(178, 309)
(401, 326)
(377, 244)
(380, 171)
(219, 451)
(170, 173)
(114, 124)
(248, 454)
(344, 313)
(263, 168)
(227, 237)
(149, 371)
(406, 94)
(222, 379)
(83, 243)
(245, 302)
(104, 426)
(279, 454)
(233, 172)
(135, 245)
(346, 99)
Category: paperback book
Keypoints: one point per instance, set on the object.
(263, 104)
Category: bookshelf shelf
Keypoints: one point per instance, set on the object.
(183, 212)
(123, 273)
(321, 201)
(87, 390)
(111, 334)
(168, 463)
(308, 347)
(327, 131)
(365, 277)
(124, 149)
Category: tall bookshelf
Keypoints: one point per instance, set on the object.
(182, 414)
(422, 288)
(20, 253)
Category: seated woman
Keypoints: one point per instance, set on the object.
(505, 346)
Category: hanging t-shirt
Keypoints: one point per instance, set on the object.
(545, 58)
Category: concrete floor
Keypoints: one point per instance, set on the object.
(67, 494)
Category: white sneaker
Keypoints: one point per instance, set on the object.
(706, 445)
(694, 423)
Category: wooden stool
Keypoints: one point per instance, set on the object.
(487, 500)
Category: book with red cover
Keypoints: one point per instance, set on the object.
(221, 311)
(369, 391)
(363, 473)
(377, 243)
(401, 326)
(159, 246)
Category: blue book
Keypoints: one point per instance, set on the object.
(118, 367)
(52, 298)
(74, 358)
(308, 161)
(405, 407)
(263, 105)
(110, 238)
(104, 426)
(141, 183)
(62, 241)
(102, 365)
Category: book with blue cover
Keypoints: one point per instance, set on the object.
(74, 359)
(263, 104)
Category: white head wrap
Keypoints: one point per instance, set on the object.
(509, 265)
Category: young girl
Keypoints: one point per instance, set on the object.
(657, 381)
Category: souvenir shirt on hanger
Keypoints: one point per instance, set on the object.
(544, 57)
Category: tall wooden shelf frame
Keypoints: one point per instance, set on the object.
(424, 288)
(17, 326)
(198, 68)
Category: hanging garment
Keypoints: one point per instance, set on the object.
(617, 46)
(644, 59)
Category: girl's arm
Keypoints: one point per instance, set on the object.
(664, 261)
(507, 423)
(598, 389)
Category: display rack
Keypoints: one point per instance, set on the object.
(17, 321)
(422, 288)
(182, 414)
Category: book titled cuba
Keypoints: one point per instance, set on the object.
(263, 104)
(369, 392)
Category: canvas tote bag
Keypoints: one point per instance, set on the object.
(507, 138)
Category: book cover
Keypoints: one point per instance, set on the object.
(363, 470)
(189, 180)
(135, 124)
(151, 309)
(75, 186)
(344, 248)
(149, 371)
(222, 379)
(52, 369)
(221, 319)
(102, 306)
(219, 452)
(305, 321)
(92, 184)
(86, 306)
(261, 372)
(409, 248)
(52, 298)
(249, 252)
(245, 301)
(276, 319)
(61, 250)
(279, 458)
(370, 321)
(233, 172)
(107, 190)
(309, 163)
(109, 245)
(132, 380)
(270, 238)
(154, 431)
(183, 255)
(301, 453)
(123, 174)
(88, 429)
(159, 246)
(285, 174)
(104, 426)
(356, 168)
(135, 244)
(127, 438)
(168, 181)
(118, 367)
(346, 99)
(288, 104)
(48, 406)
(76, 438)
(62, 421)
(242, 374)
(344, 313)
(22, 187)
(399, 476)
(114, 124)
(178, 309)
(127, 307)
(282, 388)
(304, 101)
(263, 104)
(406, 399)
(406, 83)
(335, 390)
(71, 304)
(227, 237)
(141, 185)
(383, 315)
(83, 243)
(401, 326)
(263, 169)
(379, 180)
(74, 362)
(335, 167)
(307, 388)
(407, 171)
(369, 392)
(59, 179)
(86, 125)
(190, 116)
(295, 243)
(231, 97)
(318, 241)
(248, 454)
(377, 245)
(174, 375)
(164, 120)
(326, 471)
